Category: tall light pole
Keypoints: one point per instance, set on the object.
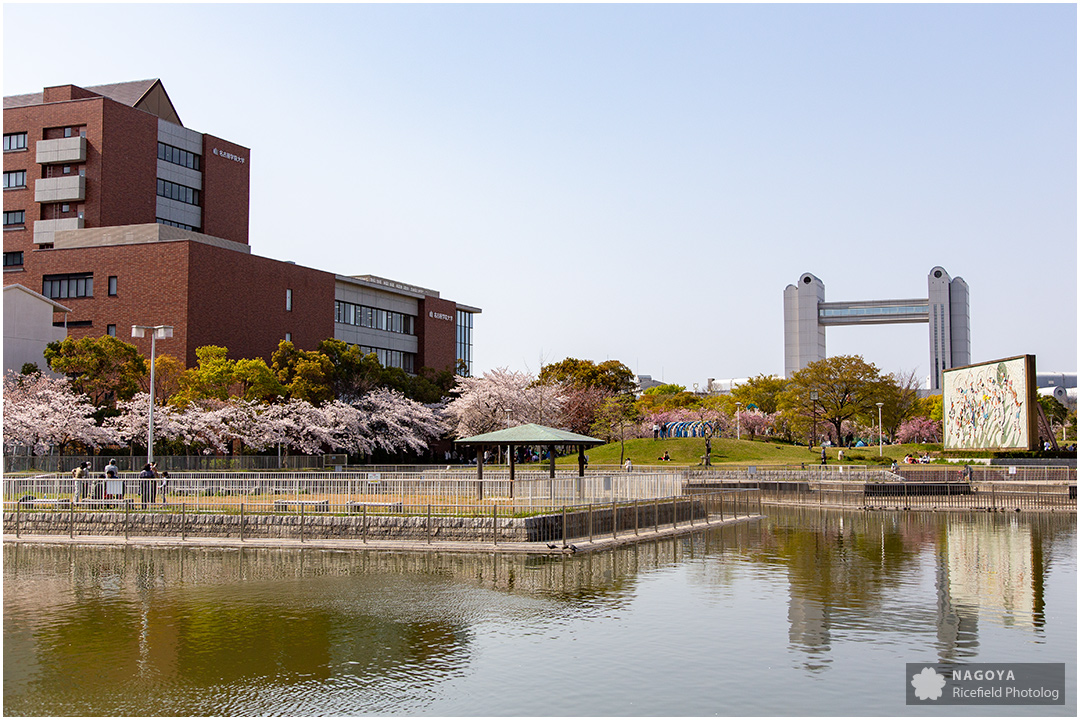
(738, 431)
(813, 417)
(156, 331)
(879, 428)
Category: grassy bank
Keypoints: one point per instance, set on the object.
(688, 451)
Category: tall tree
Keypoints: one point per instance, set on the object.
(104, 368)
(305, 374)
(610, 374)
(761, 391)
(845, 387)
(500, 397)
(41, 411)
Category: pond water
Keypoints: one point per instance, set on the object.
(804, 613)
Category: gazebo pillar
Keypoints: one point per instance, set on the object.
(581, 460)
(479, 463)
(551, 459)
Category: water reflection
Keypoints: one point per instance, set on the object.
(130, 630)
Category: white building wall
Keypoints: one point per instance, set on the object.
(28, 328)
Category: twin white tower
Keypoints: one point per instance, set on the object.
(946, 310)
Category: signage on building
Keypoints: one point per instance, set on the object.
(439, 316)
(229, 156)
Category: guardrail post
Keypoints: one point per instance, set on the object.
(656, 515)
(495, 524)
(241, 522)
(635, 516)
(18, 516)
(363, 527)
(564, 525)
(590, 522)
(183, 521)
(127, 513)
(429, 524)
(614, 521)
(674, 513)
(71, 519)
(301, 521)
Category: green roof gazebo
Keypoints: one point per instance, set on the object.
(530, 434)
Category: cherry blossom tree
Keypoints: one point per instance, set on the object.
(754, 423)
(489, 402)
(395, 423)
(40, 411)
(919, 429)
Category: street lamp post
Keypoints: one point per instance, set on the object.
(813, 417)
(879, 428)
(156, 331)
(738, 431)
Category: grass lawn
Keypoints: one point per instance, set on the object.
(725, 451)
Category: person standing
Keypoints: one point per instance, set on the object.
(655, 431)
(147, 486)
(628, 466)
(823, 455)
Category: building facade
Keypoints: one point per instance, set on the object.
(946, 310)
(115, 209)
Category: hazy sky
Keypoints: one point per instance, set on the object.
(629, 181)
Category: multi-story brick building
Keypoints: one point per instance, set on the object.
(115, 209)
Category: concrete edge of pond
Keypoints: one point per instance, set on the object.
(579, 545)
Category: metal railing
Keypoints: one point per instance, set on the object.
(445, 487)
(417, 521)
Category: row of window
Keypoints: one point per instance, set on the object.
(13, 259)
(14, 217)
(880, 310)
(375, 318)
(72, 285)
(182, 226)
(175, 191)
(15, 179)
(14, 141)
(177, 156)
(392, 358)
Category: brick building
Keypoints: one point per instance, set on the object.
(115, 209)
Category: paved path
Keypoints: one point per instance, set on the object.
(520, 548)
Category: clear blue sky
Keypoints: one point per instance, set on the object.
(634, 182)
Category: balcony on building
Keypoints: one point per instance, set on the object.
(69, 188)
(61, 150)
(45, 230)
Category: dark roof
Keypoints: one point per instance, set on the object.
(530, 434)
(127, 93)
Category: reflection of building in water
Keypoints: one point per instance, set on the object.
(991, 566)
(957, 624)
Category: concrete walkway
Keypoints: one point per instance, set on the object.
(598, 543)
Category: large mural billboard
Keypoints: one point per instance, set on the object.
(991, 406)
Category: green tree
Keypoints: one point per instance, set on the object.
(900, 394)
(762, 392)
(616, 415)
(305, 374)
(846, 387)
(106, 369)
(211, 379)
(255, 381)
(610, 374)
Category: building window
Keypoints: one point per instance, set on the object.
(67, 132)
(182, 226)
(13, 259)
(112, 285)
(67, 169)
(288, 300)
(288, 337)
(175, 191)
(465, 341)
(73, 323)
(111, 330)
(15, 217)
(374, 318)
(15, 179)
(15, 141)
(59, 287)
(176, 156)
(392, 358)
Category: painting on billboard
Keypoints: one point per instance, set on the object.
(991, 406)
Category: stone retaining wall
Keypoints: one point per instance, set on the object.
(600, 520)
